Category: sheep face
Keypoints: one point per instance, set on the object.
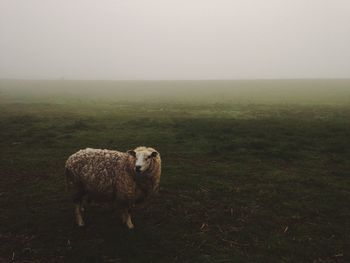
(143, 158)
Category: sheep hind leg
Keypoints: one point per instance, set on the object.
(126, 218)
(78, 208)
(78, 215)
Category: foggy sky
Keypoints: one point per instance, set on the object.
(174, 39)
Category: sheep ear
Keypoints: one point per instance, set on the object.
(154, 154)
(132, 153)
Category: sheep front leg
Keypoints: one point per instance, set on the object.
(126, 218)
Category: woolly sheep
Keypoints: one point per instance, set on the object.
(106, 175)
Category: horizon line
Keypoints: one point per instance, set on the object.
(209, 79)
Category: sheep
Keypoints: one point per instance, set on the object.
(112, 176)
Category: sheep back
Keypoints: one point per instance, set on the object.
(103, 174)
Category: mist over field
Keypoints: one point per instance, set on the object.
(324, 92)
(157, 39)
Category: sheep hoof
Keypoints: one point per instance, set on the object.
(130, 225)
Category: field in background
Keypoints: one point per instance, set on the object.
(253, 171)
(325, 92)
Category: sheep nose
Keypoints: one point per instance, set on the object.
(138, 168)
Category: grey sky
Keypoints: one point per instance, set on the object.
(177, 39)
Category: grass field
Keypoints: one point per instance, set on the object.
(253, 171)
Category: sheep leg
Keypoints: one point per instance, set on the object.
(78, 215)
(126, 218)
(78, 200)
(82, 206)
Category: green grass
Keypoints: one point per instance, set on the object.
(242, 181)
